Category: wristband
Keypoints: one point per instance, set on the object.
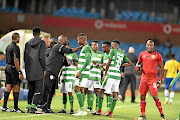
(20, 72)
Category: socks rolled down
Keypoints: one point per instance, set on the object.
(6, 96)
(16, 97)
(113, 105)
(71, 101)
(64, 100)
(80, 100)
(143, 107)
(166, 94)
(158, 104)
(171, 96)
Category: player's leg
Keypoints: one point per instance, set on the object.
(97, 86)
(154, 92)
(79, 95)
(71, 102)
(64, 98)
(133, 87)
(8, 88)
(172, 93)
(16, 98)
(143, 88)
(166, 91)
(90, 99)
(31, 87)
(6, 96)
(124, 86)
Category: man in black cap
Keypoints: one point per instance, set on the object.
(35, 68)
(54, 63)
(13, 73)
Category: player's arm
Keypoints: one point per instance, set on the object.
(129, 63)
(161, 70)
(139, 62)
(174, 80)
(107, 66)
(160, 63)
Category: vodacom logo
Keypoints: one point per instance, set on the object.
(167, 29)
(98, 24)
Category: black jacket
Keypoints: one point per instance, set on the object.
(34, 59)
(57, 59)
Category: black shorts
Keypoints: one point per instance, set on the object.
(12, 75)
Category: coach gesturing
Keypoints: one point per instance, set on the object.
(55, 61)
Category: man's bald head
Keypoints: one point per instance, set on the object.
(46, 40)
(131, 50)
(62, 39)
(15, 37)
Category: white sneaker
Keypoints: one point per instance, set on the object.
(80, 113)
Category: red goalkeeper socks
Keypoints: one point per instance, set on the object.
(158, 104)
(143, 107)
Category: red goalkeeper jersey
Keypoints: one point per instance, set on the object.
(150, 62)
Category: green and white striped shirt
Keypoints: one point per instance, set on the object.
(68, 72)
(117, 57)
(86, 52)
(95, 72)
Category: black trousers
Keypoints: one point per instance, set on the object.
(35, 91)
(129, 78)
(51, 83)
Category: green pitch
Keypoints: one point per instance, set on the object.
(123, 111)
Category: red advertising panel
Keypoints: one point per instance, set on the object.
(111, 25)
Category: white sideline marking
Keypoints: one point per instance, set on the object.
(23, 116)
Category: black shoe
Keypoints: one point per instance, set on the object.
(48, 111)
(134, 102)
(162, 117)
(17, 110)
(71, 111)
(35, 111)
(63, 111)
(28, 110)
(39, 107)
(6, 109)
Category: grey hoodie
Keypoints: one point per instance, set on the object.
(34, 59)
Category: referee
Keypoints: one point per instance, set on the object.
(54, 63)
(13, 73)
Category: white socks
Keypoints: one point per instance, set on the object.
(166, 94)
(171, 96)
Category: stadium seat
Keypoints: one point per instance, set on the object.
(159, 19)
(151, 19)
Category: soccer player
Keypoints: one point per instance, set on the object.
(112, 76)
(94, 80)
(171, 68)
(67, 80)
(13, 73)
(150, 59)
(83, 71)
(171, 85)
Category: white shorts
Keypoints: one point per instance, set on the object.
(90, 84)
(81, 83)
(66, 87)
(110, 85)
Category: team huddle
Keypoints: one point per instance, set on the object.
(92, 71)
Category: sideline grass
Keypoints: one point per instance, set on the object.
(123, 111)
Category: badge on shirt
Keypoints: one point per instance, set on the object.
(153, 56)
(99, 55)
(51, 77)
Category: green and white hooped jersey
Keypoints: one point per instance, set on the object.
(117, 57)
(85, 52)
(105, 59)
(95, 72)
(68, 72)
